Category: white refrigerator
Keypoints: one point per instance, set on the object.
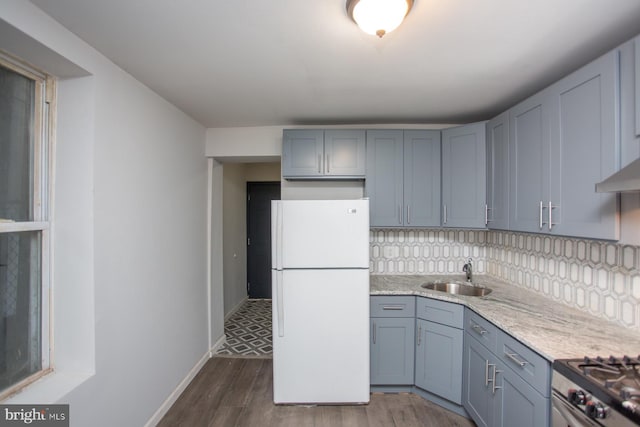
(320, 280)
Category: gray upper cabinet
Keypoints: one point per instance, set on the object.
(561, 142)
(421, 192)
(302, 153)
(323, 154)
(498, 172)
(583, 118)
(385, 177)
(529, 163)
(630, 101)
(464, 176)
(403, 178)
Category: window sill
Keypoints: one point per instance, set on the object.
(49, 389)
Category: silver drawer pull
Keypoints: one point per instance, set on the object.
(514, 358)
(393, 307)
(494, 386)
(478, 329)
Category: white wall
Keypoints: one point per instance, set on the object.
(235, 236)
(129, 237)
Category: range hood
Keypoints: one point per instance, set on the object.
(626, 179)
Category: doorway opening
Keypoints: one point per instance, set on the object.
(259, 197)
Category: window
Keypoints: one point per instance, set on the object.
(24, 225)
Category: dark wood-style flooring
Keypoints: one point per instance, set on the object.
(230, 392)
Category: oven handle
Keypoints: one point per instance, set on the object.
(571, 415)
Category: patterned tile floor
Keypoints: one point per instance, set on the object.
(248, 331)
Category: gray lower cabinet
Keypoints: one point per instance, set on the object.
(403, 178)
(438, 360)
(509, 389)
(323, 154)
(439, 348)
(464, 176)
(498, 172)
(392, 340)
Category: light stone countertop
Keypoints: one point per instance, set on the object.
(552, 329)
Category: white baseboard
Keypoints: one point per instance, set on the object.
(219, 343)
(166, 405)
(236, 308)
(164, 408)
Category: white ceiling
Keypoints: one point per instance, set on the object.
(233, 63)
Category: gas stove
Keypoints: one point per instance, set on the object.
(596, 391)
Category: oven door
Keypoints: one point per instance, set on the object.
(564, 414)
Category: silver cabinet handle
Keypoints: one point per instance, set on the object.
(393, 307)
(540, 216)
(494, 386)
(486, 214)
(319, 163)
(419, 335)
(408, 214)
(486, 373)
(374, 332)
(445, 214)
(328, 164)
(514, 357)
(478, 329)
(399, 214)
(551, 208)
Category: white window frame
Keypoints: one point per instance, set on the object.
(44, 124)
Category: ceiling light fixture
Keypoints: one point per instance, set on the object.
(378, 17)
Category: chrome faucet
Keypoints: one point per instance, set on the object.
(467, 268)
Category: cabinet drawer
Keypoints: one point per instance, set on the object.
(393, 306)
(483, 330)
(526, 363)
(445, 313)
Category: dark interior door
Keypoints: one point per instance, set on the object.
(259, 197)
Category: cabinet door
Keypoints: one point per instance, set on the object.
(498, 172)
(438, 360)
(302, 153)
(584, 126)
(392, 350)
(464, 176)
(529, 163)
(383, 183)
(476, 385)
(516, 403)
(421, 178)
(344, 152)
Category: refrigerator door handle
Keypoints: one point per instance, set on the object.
(279, 299)
(278, 237)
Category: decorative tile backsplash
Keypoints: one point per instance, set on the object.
(426, 251)
(601, 278)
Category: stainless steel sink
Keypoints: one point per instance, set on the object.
(457, 288)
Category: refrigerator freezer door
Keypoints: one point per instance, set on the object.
(322, 356)
(321, 234)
